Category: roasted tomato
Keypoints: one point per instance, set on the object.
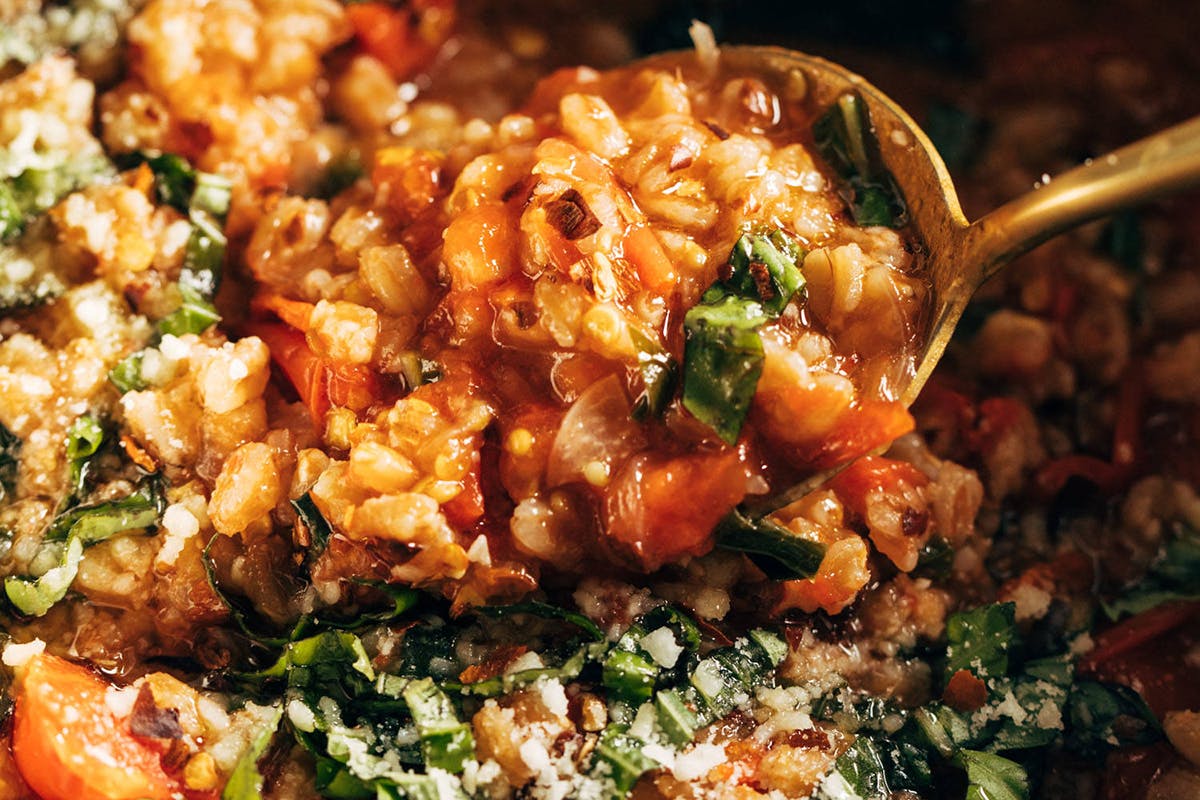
(665, 509)
(70, 745)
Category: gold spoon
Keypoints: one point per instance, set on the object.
(962, 255)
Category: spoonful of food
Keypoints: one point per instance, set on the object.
(959, 255)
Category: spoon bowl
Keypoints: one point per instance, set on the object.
(958, 255)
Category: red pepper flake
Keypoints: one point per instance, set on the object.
(494, 664)
(522, 189)
(914, 523)
(762, 280)
(571, 216)
(717, 130)
(965, 692)
(149, 721)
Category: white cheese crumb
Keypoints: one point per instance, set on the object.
(1032, 602)
(534, 754)
(1082, 644)
(1049, 717)
(174, 348)
(478, 552)
(18, 655)
(527, 660)
(643, 723)
(663, 755)
(554, 697)
(835, 787)
(301, 716)
(179, 520)
(708, 679)
(120, 700)
(698, 761)
(662, 647)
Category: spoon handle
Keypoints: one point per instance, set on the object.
(1165, 162)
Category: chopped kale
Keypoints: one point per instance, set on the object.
(845, 138)
(36, 190)
(774, 549)
(723, 353)
(1102, 716)
(246, 781)
(992, 777)
(10, 462)
(1174, 575)
(83, 441)
(979, 640)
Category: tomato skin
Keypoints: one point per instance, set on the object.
(664, 509)
(407, 38)
(856, 481)
(69, 745)
(321, 383)
(860, 429)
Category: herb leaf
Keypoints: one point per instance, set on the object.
(98, 521)
(36, 596)
(10, 450)
(723, 360)
(84, 438)
(36, 190)
(993, 777)
(246, 780)
(81, 526)
(979, 640)
(1175, 575)
(723, 353)
(845, 138)
(1102, 716)
(446, 742)
(862, 768)
(773, 548)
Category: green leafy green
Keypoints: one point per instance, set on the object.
(446, 742)
(723, 360)
(1102, 716)
(127, 374)
(993, 777)
(723, 353)
(98, 521)
(845, 138)
(979, 640)
(764, 268)
(547, 611)
(246, 780)
(659, 373)
(35, 190)
(318, 527)
(773, 548)
(10, 461)
(621, 760)
(204, 198)
(36, 596)
(862, 767)
(1174, 575)
(84, 438)
(341, 174)
(73, 530)
(688, 698)
(195, 314)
